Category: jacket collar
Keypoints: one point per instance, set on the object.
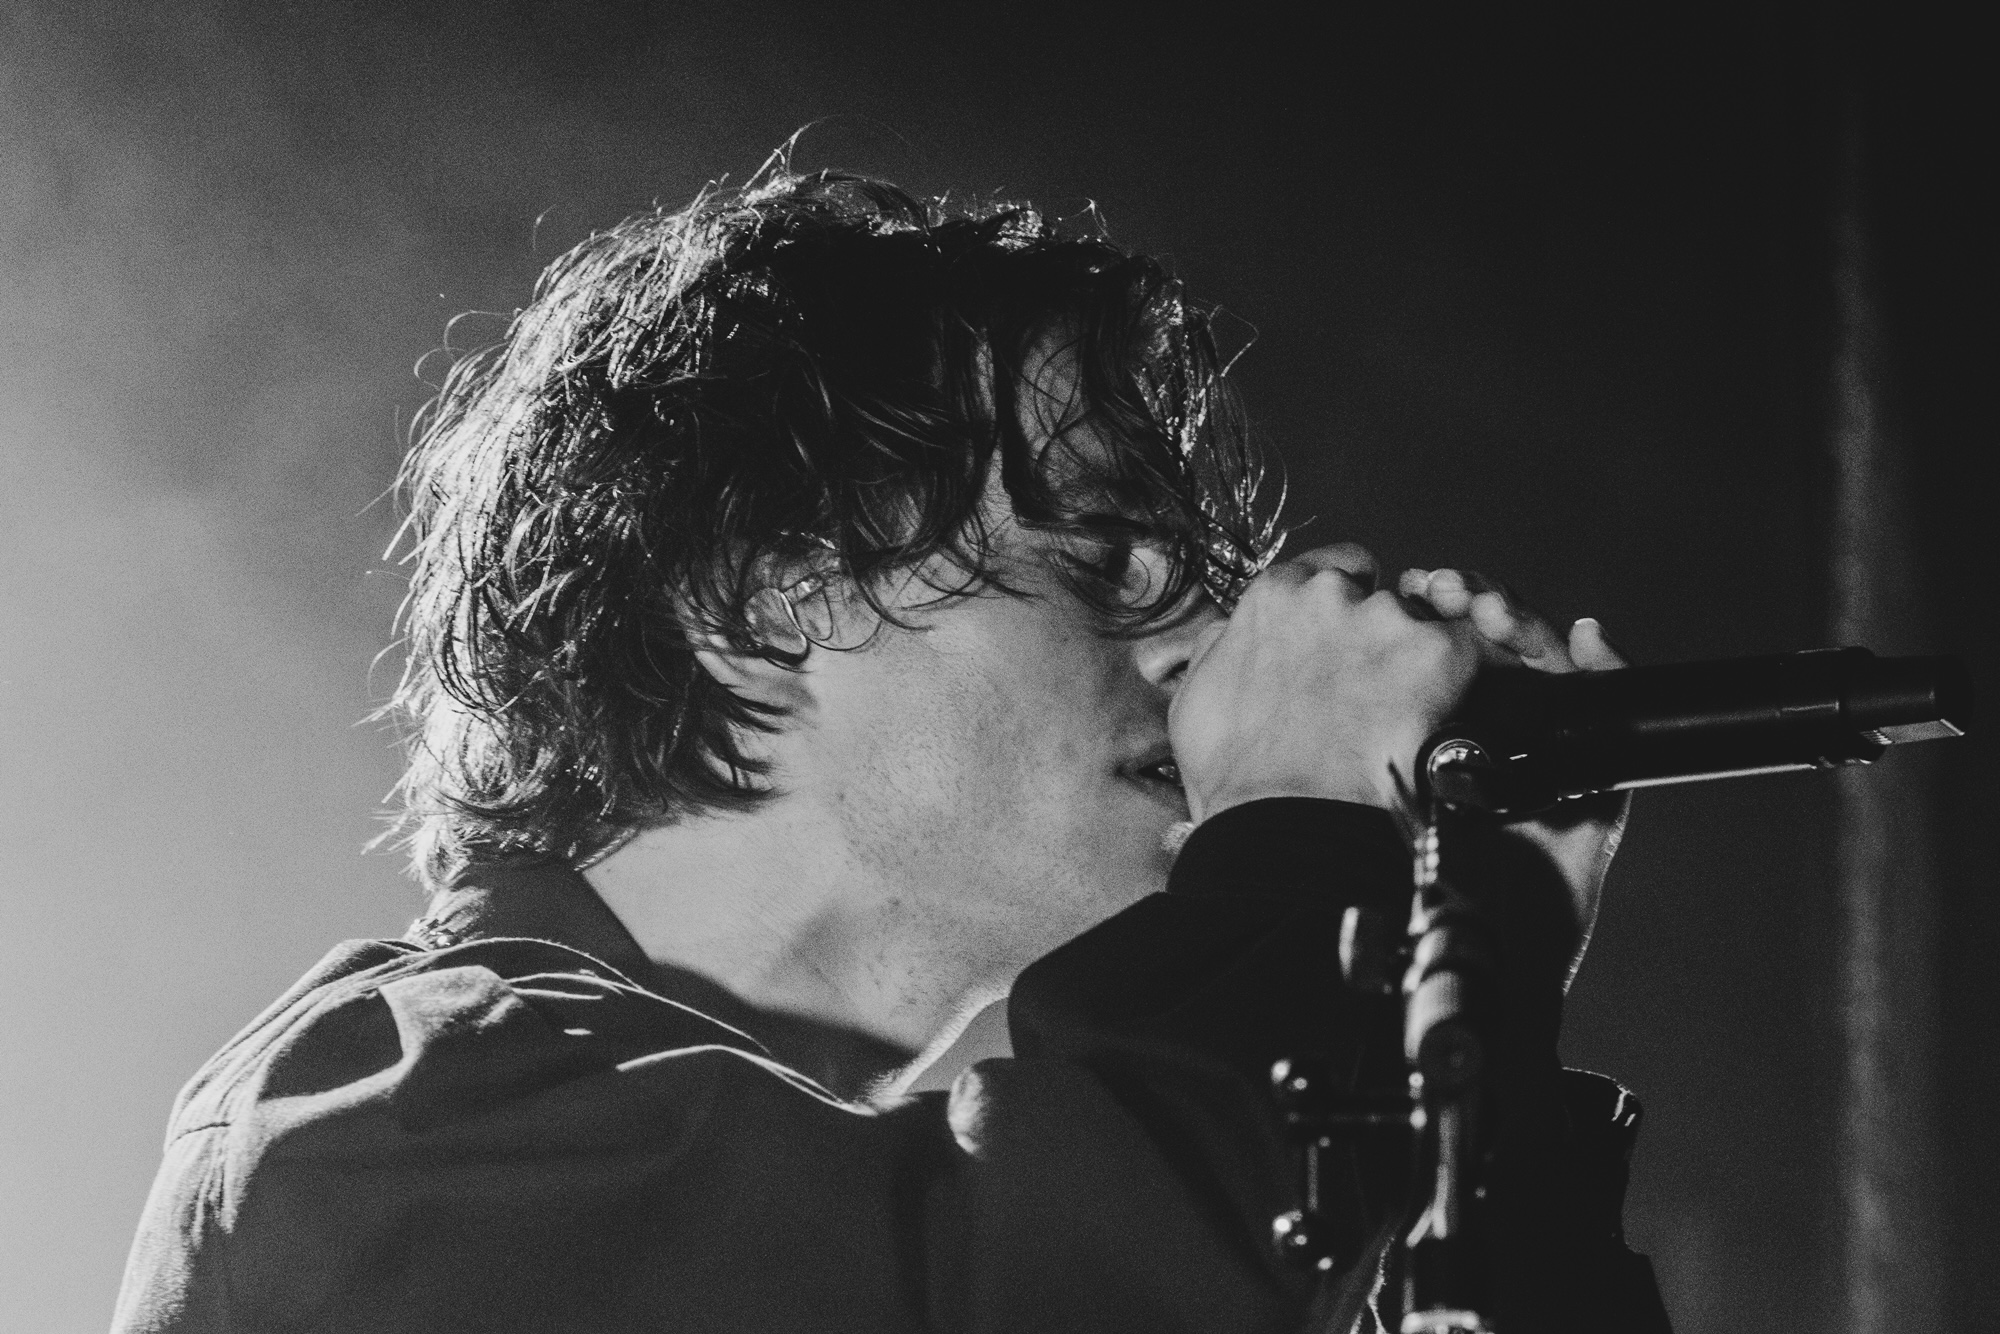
(535, 900)
(552, 901)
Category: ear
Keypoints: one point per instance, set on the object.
(752, 675)
(758, 679)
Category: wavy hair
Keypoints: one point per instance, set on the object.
(807, 372)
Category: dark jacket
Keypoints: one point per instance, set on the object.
(528, 1130)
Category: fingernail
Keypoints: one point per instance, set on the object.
(1597, 628)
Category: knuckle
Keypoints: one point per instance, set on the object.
(1257, 592)
(1283, 574)
(1332, 577)
(1385, 607)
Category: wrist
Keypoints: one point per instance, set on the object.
(1350, 780)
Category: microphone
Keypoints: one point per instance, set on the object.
(1523, 740)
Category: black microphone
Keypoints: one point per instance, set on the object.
(1522, 740)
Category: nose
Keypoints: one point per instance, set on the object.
(1164, 656)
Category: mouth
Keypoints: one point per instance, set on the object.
(1159, 775)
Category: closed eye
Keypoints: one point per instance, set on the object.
(1113, 568)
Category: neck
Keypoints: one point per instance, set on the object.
(842, 975)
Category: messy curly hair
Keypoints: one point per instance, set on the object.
(809, 372)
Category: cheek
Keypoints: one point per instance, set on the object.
(980, 761)
(1008, 733)
(1048, 705)
(1011, 711)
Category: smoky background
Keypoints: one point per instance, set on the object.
(1551, 294)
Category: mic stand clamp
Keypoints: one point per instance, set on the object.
(1448, 967)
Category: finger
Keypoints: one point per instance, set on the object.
(1204, 641)
(1591, 650)
(1452, 591)
(1449, 591)
(1519, 630)
(1410, 585)
(1350, 558)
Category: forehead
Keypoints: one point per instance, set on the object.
(1070, 444)
(1051, 405)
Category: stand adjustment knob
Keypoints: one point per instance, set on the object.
(1298, 1241)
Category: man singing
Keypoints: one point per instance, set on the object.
(828, 615)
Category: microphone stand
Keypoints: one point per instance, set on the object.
(1449, 991)
(1446, 965)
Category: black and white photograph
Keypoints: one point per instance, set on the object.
(1004, 668)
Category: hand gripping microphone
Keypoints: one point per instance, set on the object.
(1523, 740)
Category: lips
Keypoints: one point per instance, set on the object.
(1156, 771)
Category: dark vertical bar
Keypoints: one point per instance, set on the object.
(1884, 856)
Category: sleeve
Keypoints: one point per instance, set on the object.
(1155, 1032)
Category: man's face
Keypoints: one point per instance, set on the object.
(983, 780)
(991, 771)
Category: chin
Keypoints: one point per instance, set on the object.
(1157, 842)
(1166, 798)
(1167, 824)
(1125, 852)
